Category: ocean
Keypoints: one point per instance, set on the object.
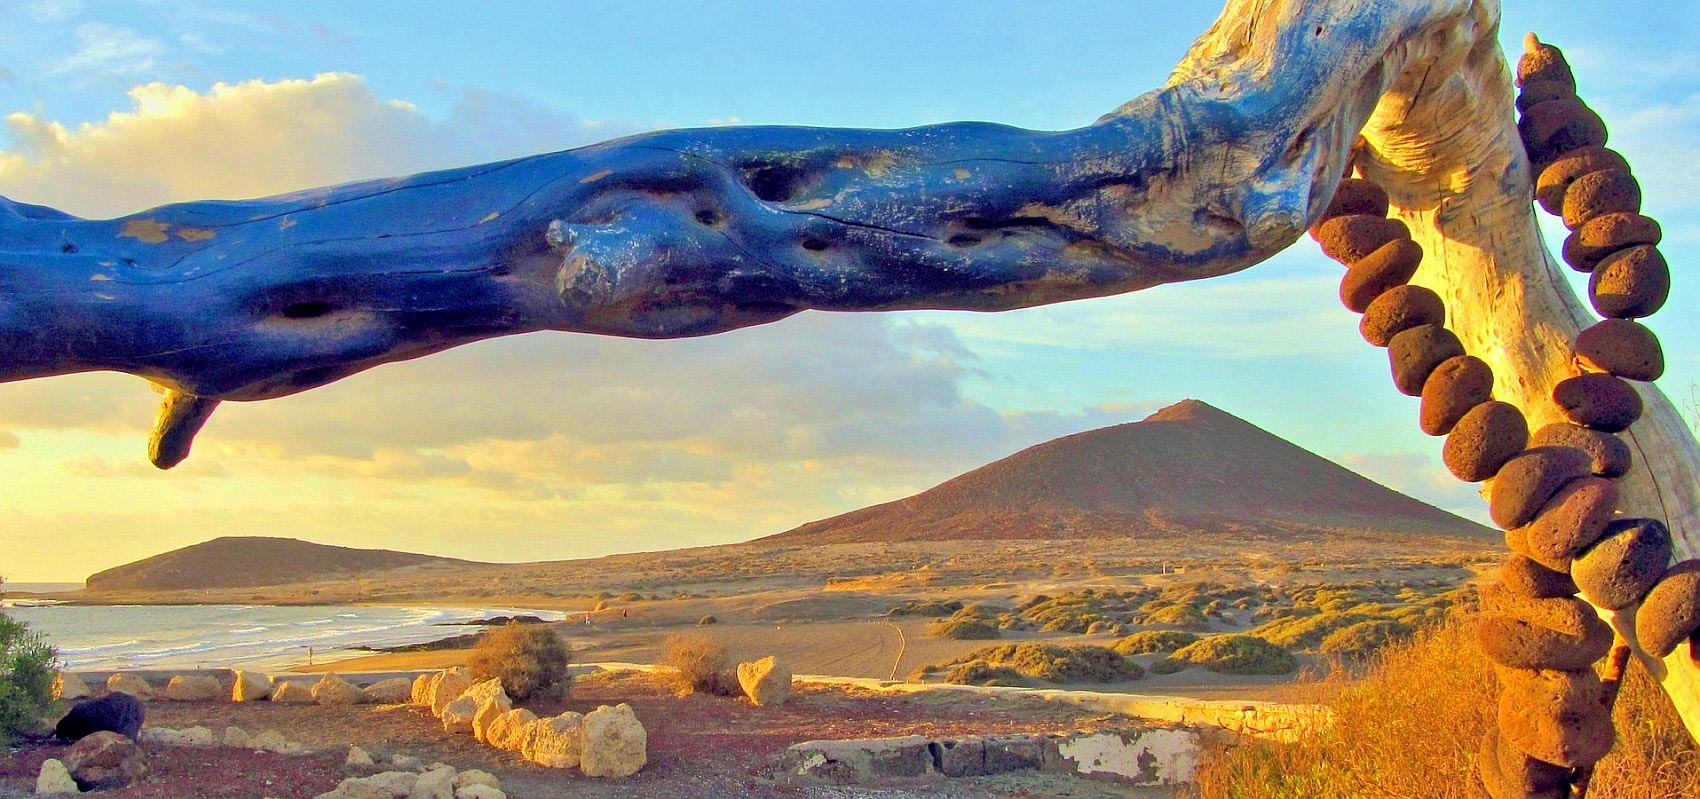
(97, 637)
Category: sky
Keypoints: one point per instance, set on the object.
(553, 446)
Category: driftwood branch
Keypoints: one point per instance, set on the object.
(694, 232)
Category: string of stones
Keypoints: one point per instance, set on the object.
(1553, 491)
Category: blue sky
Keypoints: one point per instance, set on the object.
(602, 446)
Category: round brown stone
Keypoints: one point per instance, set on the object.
(1598, 238)
(1623, 348)
(1351, 238)
(1454, 387)
(1391, 265)
(1609, 454)
(1624, 564)
(1541, 91)
(1558, 126)
(1400, 308)
(1522, 576)
(1531, 478)
(1544, 63)
(1570, 522)
(1525, 776)
(1547, 632)
(1509, 774)
(1608, 191)
(1415, 353)
(1356, 196)
(1630, 283)
(1599, 401)
(1483, 440)
(1558, 175)
(1555, 716)
(1670, 613)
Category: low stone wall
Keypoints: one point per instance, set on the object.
(1145, 757)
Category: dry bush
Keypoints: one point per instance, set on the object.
(530, 660)
(701, 663)
(1411, 725)
(964, 629)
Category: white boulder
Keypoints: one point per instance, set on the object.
(397, 783)
(457, 715)
(614, 742)
(69, 687)
(480, 792)
(193, 688)
(488, 711)
(358, 757)
(434, 784)
(448, 686)
(291, 692)
(766, 681)
(54, 778)
(124, 682)
(554, 742)
(251, 686)
(508, 730)
(395, 691)
(334, 690)
(237, 738)
(191, 736)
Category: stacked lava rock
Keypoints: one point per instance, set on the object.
(1553, 491)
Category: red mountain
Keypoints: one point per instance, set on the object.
(1189, 469)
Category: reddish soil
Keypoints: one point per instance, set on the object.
(698, 745)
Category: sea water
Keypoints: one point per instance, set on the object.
(98, 637)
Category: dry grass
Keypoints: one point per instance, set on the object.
(530, 660)
(1409, 728)
(701, 664)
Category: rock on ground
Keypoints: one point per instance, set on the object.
(358, 757)
(193, 688)
(488, 711)
(434, 784)
(394, 691)
(480, 792)
(251, 686)
(397, 783)
(273, 741)
(290, 692)
(554, 742)
(105, 760)
(421, 694)
(69, 687)
(334, 690)
(614, 742)
(119, 712)
(356, 788)
(476, 777)
(166, 736)
(448, 686)
(237, 738)
(507, 731)
(457, 715)
(54, 778)
(131, 684)
(766, 681)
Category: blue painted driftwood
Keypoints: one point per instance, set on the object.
(693, 232)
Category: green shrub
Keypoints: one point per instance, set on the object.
(26, 678)
(1186, 617)
(701, 665)
(1169, 666)
(1362, 639)
(980, 672)
(1304, 632)
(926, 607)
(1150, 641)
(1237, 654)
(963, 629)
(530, 660)
(1053, 663)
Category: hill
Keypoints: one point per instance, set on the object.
(250, 561)
(1187, 470)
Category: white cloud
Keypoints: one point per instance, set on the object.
(257, 138)
(108, 51)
